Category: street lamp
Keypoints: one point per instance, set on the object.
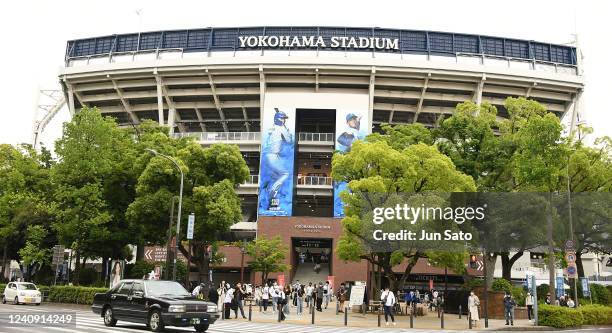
(178, 222)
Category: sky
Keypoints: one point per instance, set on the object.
(33, 36)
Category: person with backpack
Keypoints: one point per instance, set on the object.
(509, 304)
(388, 301)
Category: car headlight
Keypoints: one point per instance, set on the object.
(211, 308)
(176, 308)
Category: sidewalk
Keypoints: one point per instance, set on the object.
(430, 321)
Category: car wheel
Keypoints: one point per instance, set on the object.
(108, 317)
(155, 322)
(37, 304)
(16, 300)
(201, 328)
(3, 299)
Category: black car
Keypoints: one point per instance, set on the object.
(154, 303)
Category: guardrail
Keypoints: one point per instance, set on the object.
(316, 137)
(314, 180)
(222, 136)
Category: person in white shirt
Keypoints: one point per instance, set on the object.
(309, 291)
(529, 304)
(388, 299)
(274, 295)
(326, 293)
(473, 304)
(227, 302)
(570, 303)
(265, 296)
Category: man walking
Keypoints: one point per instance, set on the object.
(326, 293)
(509, 305)
(388, 300)
(319, 295)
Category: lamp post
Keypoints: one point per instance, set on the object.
(242, 252)
(178, 221)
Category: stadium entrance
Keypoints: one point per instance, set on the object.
(312, 259)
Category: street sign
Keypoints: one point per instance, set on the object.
(572, 270)
(570, 244)
(570, 257)
(586, 292)
(357, 292)
(190, 225)
(158, 253)
(529, 282)
(58, 255)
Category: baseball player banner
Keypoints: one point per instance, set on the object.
(277, 162)
(350, 127)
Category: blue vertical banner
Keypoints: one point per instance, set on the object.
(586, 292)
(560, 286)
(350, 127)
(277, 162)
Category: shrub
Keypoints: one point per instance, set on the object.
(501, 285)
(600, 294)
(472, 283)
(88, 276)
(73, 294)
(139, 269)
(519, 294)
(596, 314)
(542, 291)
(559, 317)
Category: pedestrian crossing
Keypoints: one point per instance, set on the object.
(89, 322)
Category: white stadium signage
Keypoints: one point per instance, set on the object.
(320, 42)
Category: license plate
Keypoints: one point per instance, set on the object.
(195, 321)
(28, 299)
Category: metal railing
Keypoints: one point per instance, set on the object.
(253, 179)
(222, 136)
(314, 180)
(317, 137)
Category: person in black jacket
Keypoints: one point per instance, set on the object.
(238, 297)
(213, 295)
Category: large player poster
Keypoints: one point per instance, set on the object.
(277, 162)
(350, 127)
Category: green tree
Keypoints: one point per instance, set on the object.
(267, 256)
(93, 181)
(377, 168)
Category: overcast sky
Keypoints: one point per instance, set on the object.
(34, 34)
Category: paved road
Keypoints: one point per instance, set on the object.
(89, 322)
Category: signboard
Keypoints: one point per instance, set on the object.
(277, 162)
(58, 255)
(116, 273)
(529, 283)
(190, 225)
(430, 284)
(281, 280)
(572, 270)
(313, 41)
(158, 254)
(586, 292)
(560, 288)
(351, 125)
(331, 279)
(357, 293)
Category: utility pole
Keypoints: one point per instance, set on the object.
(169, 252)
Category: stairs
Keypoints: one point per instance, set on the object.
(305, 273)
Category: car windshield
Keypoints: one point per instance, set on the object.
(166, 288)
(26, 286)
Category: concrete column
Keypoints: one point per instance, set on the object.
(71, 101)
(160, 102)
(171, 118)
(371, 98)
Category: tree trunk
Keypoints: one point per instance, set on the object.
(104, 269)
(140, 251)
(579, 263)
(491, 260)
(4, 269)
(508, 262)
(77, 268)
(551, 251)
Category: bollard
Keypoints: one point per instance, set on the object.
(411, 319)
(459, 311)
(312, 313)
(250, 310)
(438, 308)
(223, 312)
(337, 308)
(345, 316)
(280, 308)
(442, 319)
(378, 316)
(470, 320)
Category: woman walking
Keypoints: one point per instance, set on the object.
(300, 300)
(473, 303)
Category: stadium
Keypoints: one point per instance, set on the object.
(290, 97)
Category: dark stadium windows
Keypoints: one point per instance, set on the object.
(413, 41)
(327, 33)
(541, 51)
(381, 116)
(517, 49)
(387, 33)
(198, 39)
(225, 39)
(441, 43)
(466, 44)
(104, 44)
(150, 41)
(126, 43)
(175, 39)
(85, 47)
(493, 46)
(560, 54)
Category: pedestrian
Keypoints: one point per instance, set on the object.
(326, 293)
(547, 301)
(221, 291)
(388, 300)
(509, 305)
(281, 301)
(196, 291)
(341, 297)
(529, 304)
(319, 297)
(408, 299)
(473, 304)
(274, 295)
(238, 298)
(213, 295)
(227, 303)
(309, 296)
(257, 297)
(562, 301)
(300, 300)
(570, 302)
(287, 291)
(265, 297)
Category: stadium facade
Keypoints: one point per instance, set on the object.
(290, 97)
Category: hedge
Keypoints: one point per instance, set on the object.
(73, 294)
(563, 317)
(559, 316)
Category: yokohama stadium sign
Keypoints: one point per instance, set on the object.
(334, 42)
